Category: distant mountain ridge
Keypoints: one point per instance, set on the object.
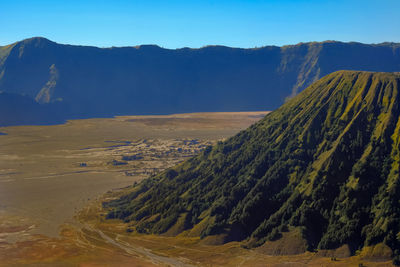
(321, 171)
(147, 79)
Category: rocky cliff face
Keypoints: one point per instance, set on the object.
(148, 79)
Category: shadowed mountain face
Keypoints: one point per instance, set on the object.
(94, 82)
(17, 109)
(326, 164)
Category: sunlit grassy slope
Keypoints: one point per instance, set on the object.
(326, 164)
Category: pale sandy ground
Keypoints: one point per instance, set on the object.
(42, 182)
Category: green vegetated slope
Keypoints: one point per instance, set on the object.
(147, 79)
(326, 164)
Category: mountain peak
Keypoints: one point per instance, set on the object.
(37, 40)
(325, 164)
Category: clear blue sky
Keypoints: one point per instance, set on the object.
(180, 23)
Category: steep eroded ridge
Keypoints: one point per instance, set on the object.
(325, 164)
